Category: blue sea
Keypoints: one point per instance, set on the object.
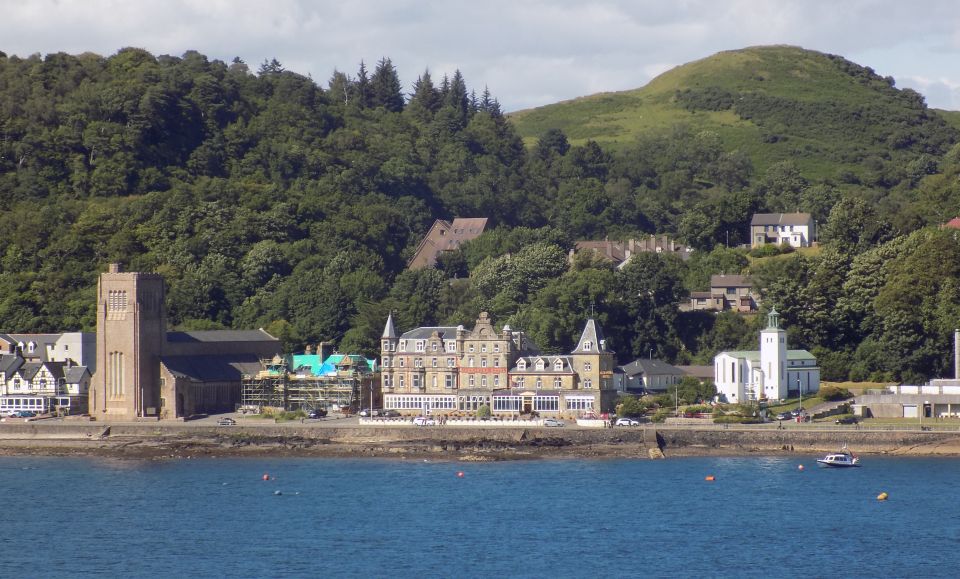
(760, 517)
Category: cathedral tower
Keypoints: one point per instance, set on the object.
(131, 333)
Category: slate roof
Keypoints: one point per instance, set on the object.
(725, 280)
(389, 331)
(781, 219)
(75, 374)
(227, 368)
(697, 371)
(548, 362)
(593, 334)
(704, 295)
(29, 370)
(650, 368)
(10, 363)
(448, 332)
(219, 336)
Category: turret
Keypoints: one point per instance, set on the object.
(388, 341)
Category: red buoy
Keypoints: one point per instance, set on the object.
(710, 478)
(459, 474)
(266, 476)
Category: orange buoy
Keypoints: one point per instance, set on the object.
(459, 474)
(710, 478)
(266, 476)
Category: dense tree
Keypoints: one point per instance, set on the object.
(268, 201)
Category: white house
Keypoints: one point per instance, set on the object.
(42, 386)
(772, 373)
(796, 229)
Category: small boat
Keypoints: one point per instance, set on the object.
(842, 457)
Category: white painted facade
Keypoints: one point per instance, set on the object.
(774, 372)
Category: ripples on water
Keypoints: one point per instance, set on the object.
(761, 517)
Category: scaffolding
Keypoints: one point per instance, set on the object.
(276, 387)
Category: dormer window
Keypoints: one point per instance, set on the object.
(451, 346)
(540, 364)
(558, 365)
(587, 346)
(521, 364)
(419, 346)
(31, 347)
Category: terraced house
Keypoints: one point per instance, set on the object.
(443, 369)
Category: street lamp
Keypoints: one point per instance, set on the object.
(800, 390)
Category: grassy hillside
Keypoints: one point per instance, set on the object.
(774, 103)
(952, 117)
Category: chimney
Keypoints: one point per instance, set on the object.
(325, 350)
(114, 268)
(308, 350)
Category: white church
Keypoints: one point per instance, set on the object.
(772, 373)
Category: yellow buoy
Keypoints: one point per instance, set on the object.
(882, 496)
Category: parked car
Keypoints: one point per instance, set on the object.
(625, 421)
(796, 412)
(226, 422)
(552, 422)
(318, 413)
(424, 421)
(366, 412)
(390, 414)
(847, 420)
(24, 414)
(784, 416)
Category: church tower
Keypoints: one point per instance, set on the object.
(131, 333)
(773, 359)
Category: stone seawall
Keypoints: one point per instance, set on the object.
(175, 439)
(736, 441)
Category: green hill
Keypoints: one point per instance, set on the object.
(827, 114)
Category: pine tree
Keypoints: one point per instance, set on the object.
(362, 89)
(425, 99)
(457, 97)
(385, 85)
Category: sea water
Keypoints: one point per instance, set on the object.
(759, 517)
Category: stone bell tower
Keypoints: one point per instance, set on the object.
(131, 333)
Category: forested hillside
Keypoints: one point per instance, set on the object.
(267, 199)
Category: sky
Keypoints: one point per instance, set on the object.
(528, 53)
